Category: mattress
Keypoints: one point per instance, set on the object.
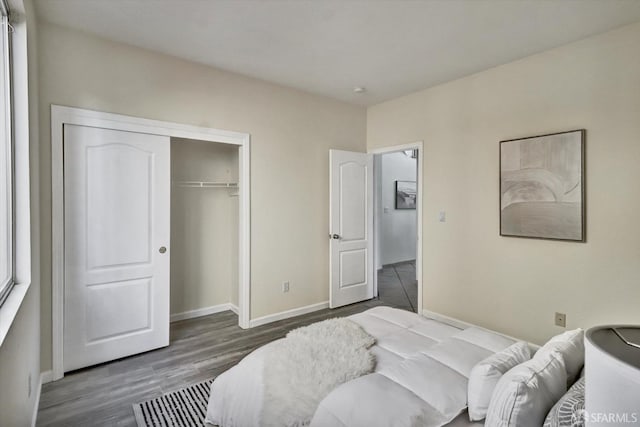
(462, 420)
(420, 379)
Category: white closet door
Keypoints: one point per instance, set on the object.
(117, 213)
(351, 225)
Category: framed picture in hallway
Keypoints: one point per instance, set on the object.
(542, 186)
(406, 194)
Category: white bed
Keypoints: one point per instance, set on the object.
(420, 379)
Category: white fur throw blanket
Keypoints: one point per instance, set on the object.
(300, 370)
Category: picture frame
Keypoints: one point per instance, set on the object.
(542, 186)
(406, 194)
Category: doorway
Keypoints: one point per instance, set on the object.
(397, 226)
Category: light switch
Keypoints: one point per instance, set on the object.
(442, 216)
(386, 209)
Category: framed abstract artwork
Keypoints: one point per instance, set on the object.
(542, 186)
(406, 194)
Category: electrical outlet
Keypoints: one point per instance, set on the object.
(29, 385)
(285, 286)
(561, 320)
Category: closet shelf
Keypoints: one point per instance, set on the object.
(205, 184)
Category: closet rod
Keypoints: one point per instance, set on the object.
(206, 184)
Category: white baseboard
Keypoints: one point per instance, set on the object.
(288, 313)
(451, 321)
(461, 324)
(47, 377)
(203, 312)
(36, 404)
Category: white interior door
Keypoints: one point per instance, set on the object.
(351, 227)
(117, 212)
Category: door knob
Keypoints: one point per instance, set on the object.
(336, 236)
(162, 249)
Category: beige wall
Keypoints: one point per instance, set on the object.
(510, 284)
(204, 231)
(20, 351)
(291, 133)
(20, 364)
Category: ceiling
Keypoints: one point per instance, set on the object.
(389, 47)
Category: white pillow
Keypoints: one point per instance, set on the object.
(571, 345)
(486, 374)
(526, 393)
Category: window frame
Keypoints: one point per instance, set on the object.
(24, 131)
(6, 126)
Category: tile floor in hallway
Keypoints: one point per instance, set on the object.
(397, 285)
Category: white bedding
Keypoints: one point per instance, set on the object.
(420, 378)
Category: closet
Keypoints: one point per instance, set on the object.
(150, 224)
(204, 227)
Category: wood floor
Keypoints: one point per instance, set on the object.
(397, 285)
(200, 349)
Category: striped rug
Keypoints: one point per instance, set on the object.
(182, 408)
